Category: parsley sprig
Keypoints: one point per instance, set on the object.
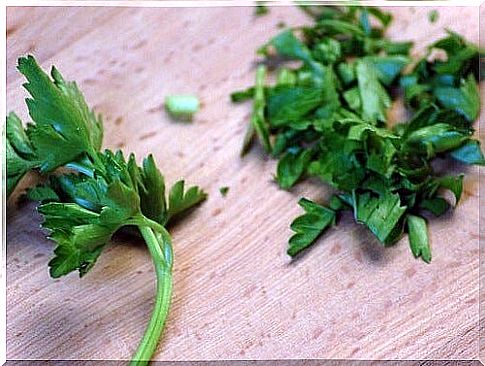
(328, 118)
(97, 193)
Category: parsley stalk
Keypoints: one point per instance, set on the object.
(160, 248)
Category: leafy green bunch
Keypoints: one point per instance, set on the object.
(97, 192)
(328, 118)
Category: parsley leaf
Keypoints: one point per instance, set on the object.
(465, 100)
(382, 215)
(469, 153)
(151, 188)
(460, 55)
(64, 126)
(450, 182)
(180, 201)
(388, 67)
(436, 205)
(289, 104)
(291, 167)
(309, 226)
(336, 163)
(79, 235)
(374, 97)
(287, 45)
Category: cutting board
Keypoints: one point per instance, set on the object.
(236, 294)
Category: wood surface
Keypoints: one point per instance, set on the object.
(236, 296)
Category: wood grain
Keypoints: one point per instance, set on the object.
(236, 296)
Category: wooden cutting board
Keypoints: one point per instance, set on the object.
(236, 296)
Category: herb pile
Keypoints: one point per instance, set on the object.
(328, 118)
(96, 193)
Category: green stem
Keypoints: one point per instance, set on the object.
(140, 220)
(157, 245)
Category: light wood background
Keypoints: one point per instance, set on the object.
(236, 296)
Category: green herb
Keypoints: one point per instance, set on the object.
(433, 16)
(328, 118)
(98, 193)
(418, 237)
(224, 191)
(310, 226)
(260, 9)
(182, 106)
(258, 123)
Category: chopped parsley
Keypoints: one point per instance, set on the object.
(329, 118)
(433, 16)
(224, 191)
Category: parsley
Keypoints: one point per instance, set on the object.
(260, 9)
(98, 192)
(418, 237)
(309, 226)
(258, 124)
(328, 118)
(433, 16)
(224, 191)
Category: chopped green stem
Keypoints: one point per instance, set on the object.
(163, 272)
(182, 105)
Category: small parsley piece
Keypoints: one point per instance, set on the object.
(437, 205)
(433, 16)
(374, 98)
(418, 238)
(469, 153)
(182, 106)
(288, 103)
(260, 9)
(287, 45)
(309, 226)
(328, 117)
(381, 214)
(241, 96)
(291, 167)
(258, 123)
(224, 191)
(96, 193)
(465, 100)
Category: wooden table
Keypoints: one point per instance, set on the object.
(236, 295)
